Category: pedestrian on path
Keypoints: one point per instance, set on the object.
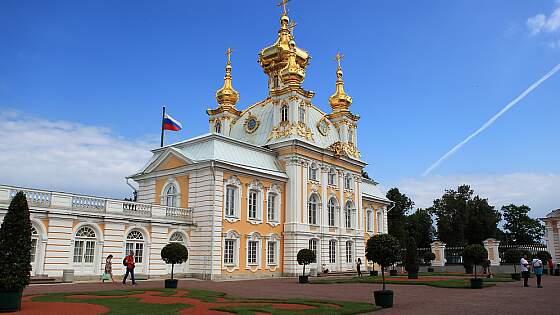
(359, 267)
(108, 269)
(128, 261)
(525, 270)
(538, 270)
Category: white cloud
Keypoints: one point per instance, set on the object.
(538, 191)
(67, 156)
(541, 23)
(536, 23)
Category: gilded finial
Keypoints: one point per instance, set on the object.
(340, 101)
(227, 96)
(338, 58)
(283, 5)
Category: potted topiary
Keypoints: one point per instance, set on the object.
(411, 259)
(15, 253)
(428, 257)
(174, 253)
(384, 250)
(475, 254)
(305, 257)
(512, 256)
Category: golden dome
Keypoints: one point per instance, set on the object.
(292, 73)
(340, 101)
(227, 96)
(275, 57)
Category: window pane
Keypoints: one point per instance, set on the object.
(33, 248)
(139, 253)
(228, 251)
(90, 252)
(78, 251)
(271, 252)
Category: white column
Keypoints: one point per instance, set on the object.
(438, 248)
(491, 246)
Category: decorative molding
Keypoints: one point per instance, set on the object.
(323, 126)
(246, 123)
(286, 129)
(345, 149)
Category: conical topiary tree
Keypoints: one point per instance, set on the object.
(15, 245)
(411, 257)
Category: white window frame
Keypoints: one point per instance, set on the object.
(332, 251)
(274, 190)
(313, 173)
(273, 238)
(349, 215)
(301, 113)
(229, 257)
(379, 221)
(256, 187)
(175, 198)
(348, 182)
(332, 177)
(235, 183)
(87, 240)
(134, 244)
(369, 220)
(231, 235)
(332, 207)
(313, 206)
(284, 113)
(313, 245)
(349, 252)
(253, 237)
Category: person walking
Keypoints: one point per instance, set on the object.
(129, 263)
(359, 267)
(524, 270)
(538, 270)
(109, 268)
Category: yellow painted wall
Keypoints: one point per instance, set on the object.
(170, 162)
(183, 181)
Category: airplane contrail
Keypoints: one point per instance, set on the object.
(493, 119)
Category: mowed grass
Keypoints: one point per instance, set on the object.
(124, 302)
(459, 282)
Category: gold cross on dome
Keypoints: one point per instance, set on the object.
(283, 5)
(292, 25)
(338, 58)
(228, 54)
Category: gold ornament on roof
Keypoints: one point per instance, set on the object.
(286, 129)
(227, 96)
(340, 101)
(345, 149)
(292, 74)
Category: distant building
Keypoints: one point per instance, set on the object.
(267, 181)
(552, 236)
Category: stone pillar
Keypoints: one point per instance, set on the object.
(491, 245)
(438, 248)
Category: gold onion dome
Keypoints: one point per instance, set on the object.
(275, 57)
(227, 95)
(340, 101)
(292, 74)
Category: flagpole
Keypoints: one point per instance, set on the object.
(162, 123)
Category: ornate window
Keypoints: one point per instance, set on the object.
(232, 198)
(254, 201)
(331, 210)
(230, 201)
(349, 252)
(272, 213)
(218, 127)
(332, 177)
(253, 196)
(302, 113)
(84, 245)
(312, 209)
(229, 251)
(253, 249)
(272, 252)
(347, 182)
(369, 220)
(34, 240)
(332, 251)
(313, 170)
(351, 135)
(313, 245)
(177, 237)
(135, 242)
(348, 214)
(284, 113)
(170, 195)
(379, 221)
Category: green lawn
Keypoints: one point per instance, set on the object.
(460, 283)
(127, 302)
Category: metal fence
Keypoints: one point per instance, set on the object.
(532, 248)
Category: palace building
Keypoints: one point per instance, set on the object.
(267, 180)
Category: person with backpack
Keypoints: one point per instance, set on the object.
(128, 261)
(538, 270)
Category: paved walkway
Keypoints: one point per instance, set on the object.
(505, 298)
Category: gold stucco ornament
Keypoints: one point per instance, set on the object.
(345, 149)
(286, 129)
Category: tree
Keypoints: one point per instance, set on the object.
(174, 253)
(428, 257)
(520, 228)
(384, 250)
(482, 221)
(475, 254)
(419, 226)
(15, 246)
(305, 257)
(411, 257)
(397, 216)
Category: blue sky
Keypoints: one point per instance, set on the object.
(423, 75)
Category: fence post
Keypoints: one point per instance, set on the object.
(492, 245)
(438, 248)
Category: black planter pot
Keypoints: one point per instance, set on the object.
(171, 283)
(430, 269)
(10, 301)
(303, 279)
(373, 273)
(516, 276)
(392, 272)
(383, 298)
(477, 283)
(413, 275)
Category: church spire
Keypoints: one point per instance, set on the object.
(227, 96)
(340, 101)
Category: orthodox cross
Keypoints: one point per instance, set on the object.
(338, 58)
(283, 5)
(228, 54)
(292, 25)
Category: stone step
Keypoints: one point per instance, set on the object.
(41, 279)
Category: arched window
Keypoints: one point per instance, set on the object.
(379, 221)
(302, 114)
(177, 237)
(369, 220)
(331, 209)
(84, 245)
(332, 177)
(351, 135)
(230, 200)
(252, 206)
(284, 113)
(313, 171)
(272, 211)
(34, 240)
(218, 127)
(347, 182)
(349, 252)
(312, 209)
(332, 251)
(170, 195)
(135, 243)
(348, 209)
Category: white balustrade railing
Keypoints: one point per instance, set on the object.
(136, 208)
(175, 212)
(88, 203)
(34, 197)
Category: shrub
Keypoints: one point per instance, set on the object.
(428, 257)
(513, 256)
(475, 254)
(15, 245)
(411, 257)
(384, 250)
(305, 257)
(174, 253)
(544, 256)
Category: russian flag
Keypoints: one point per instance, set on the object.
(169, 123)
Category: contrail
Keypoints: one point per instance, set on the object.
(493, 119)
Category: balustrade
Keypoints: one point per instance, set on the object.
(88, 203)
(34, 198)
